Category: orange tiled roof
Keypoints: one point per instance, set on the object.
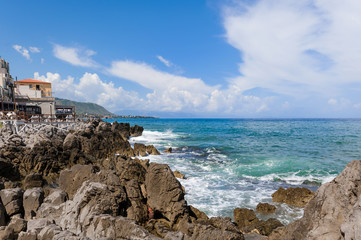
(31, 81)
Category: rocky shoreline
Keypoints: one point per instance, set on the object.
(86, 182)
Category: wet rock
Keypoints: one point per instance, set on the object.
(179, 175)
(164, 192)
(335, 203)
(244, 217)
(33, 180)
(33, 198)
(140, 149)
(297, 197)
(136, 131)
(152, 150)
(265, 208)
(12, 200)
(168, 150)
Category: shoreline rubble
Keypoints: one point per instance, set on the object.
(86, 182)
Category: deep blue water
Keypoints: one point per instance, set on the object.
(233, 163)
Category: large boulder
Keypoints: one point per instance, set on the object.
(331, 214)
(12, 199)
(164, 192)
(297, 197)
(33, 198)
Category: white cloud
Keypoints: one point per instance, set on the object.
(307, 48)
(23, 51)
(34, 49)
(90, 88)
(164, 61)
(75, 56)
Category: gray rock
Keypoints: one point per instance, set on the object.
(7, 234)
(12, 199)
(351, 228)
(48, 232)
(57, 197)
(36, 225)
(333, 205)
(164, 192)
(18, 225)
(27, 236)
(33, 198)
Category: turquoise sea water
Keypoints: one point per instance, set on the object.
(233, 163)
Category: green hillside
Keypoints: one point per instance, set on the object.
(83, 107)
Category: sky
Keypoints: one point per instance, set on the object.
(204, 58)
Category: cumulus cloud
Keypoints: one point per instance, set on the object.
(23, 51)
(90, 88)
(297, 48)
(164, 61)
(34, 49)
(75, 56)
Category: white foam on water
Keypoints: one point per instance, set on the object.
(155, 138)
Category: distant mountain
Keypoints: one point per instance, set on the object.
(84, 107)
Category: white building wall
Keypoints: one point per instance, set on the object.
(25, 90)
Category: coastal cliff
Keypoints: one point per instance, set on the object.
(86, 182)
(82, 183)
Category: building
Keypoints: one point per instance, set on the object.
(35, 92)
(6, 82)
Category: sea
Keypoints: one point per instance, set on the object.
(238, 163)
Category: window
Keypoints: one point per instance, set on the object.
(37, 87)
(30, 86)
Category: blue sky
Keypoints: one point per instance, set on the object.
(265, 58)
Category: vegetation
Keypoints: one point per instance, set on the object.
(83, 108)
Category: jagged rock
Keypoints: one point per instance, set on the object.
(254, 236)
(168, 150)
(18, 225)
(334, 203)
(7, 168)
(152, 150)
(27, 236)
(71, 179)
(297, 197)
(2, 214)
(33, 180)
(7, 234)
(138, 209)
(244, 217)
(36, 225)
(49, 232)
(197, 213)
(136, 131)
(179, 175)
(351, 227)
(216, 228)
(140, 149)
(267, 227)
(265, 208)
(11, 184)
(33, 198)
(56, 197)
(127, 169)
(12, 199)
(164, 192)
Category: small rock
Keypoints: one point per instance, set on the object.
(18, 225)
(197, 213)
(179, 175)
(297, 197)
(265, 208)
(7, 234)
(57, 197)
(168, 150)
(136, 131)
(244, 217)
(37, 225)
